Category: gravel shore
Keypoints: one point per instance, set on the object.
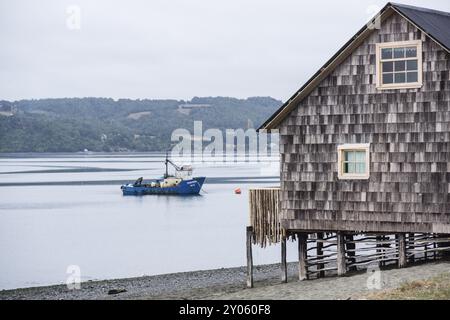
(230, 284)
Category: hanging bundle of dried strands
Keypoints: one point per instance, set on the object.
(264, 216)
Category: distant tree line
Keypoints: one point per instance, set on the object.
(102, 124)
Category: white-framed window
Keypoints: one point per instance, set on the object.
(354, 161)
(399, 65)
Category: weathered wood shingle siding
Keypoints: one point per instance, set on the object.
(409, 135)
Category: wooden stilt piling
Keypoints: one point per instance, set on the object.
(249, 258)
(319, 251)
(283, 260)
(341, 263)
(401, 250)
(379, 246)
(434, 247)
(411, 247)
(302, 239)
(351, 246)
(385, 247)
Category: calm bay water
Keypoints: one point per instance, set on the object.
(63, 210)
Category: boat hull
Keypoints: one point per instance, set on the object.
(185, 187)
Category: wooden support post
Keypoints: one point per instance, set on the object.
(319, 251)
(351, 246)
(401, 250)
(379, 248)
(411, 246)
(384, 246)
(283, 260)
(434, 247)
(249, 258)
(302, 239)
(341, 264)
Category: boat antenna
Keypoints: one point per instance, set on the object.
(167, 163)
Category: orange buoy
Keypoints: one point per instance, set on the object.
(237, 191)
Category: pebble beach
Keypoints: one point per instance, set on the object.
(229, 283)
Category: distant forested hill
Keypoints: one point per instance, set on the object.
(100, 124)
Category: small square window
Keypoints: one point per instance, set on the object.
(399, 65)
(353, 161)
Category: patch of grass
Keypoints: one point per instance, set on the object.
(436, 288)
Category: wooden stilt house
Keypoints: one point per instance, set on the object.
(365, 150)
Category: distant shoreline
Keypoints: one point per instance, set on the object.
(136, 154)
(80, 153)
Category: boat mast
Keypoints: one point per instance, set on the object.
(177, 168)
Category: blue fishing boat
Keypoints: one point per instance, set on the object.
(182, 183)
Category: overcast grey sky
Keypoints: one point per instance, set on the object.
(172, 49)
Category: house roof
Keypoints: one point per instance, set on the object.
(435, 24)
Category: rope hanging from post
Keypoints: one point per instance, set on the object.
(264, 216)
